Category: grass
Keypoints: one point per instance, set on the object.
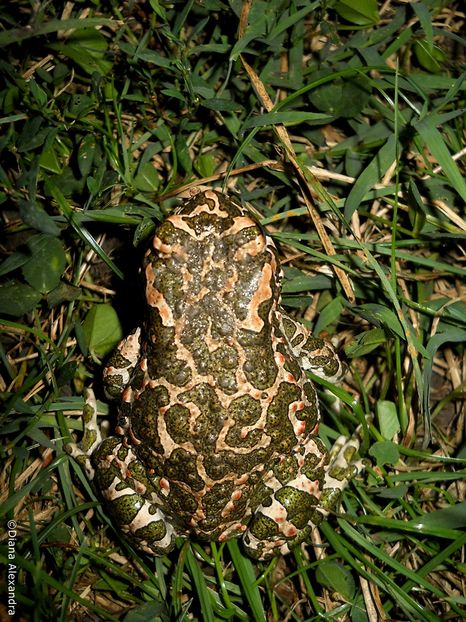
(343, 126)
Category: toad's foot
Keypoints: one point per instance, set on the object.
(92, 438)
(292, 511)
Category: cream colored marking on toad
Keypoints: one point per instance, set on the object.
(144, 518)
(139, 487)
(242, 479)
(301, 482)
(222, 445)
(129, 347)
(183, 223)
(239, 223)
(263, 292)
(112, 492)
(209, 482)
(187, 279)
(170, 445)
(276, 512)
(212, 344)
(194, 413)
(206, 208)
(156, 299)
(299, 426)
(166, 440)
(196, 299)
(252, 248)
(233, 530)
(167, 250)
(228, 509)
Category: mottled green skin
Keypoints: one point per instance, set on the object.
(218, 421)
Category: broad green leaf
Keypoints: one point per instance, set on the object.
(13, 262)
(381, 455)
(63, 293)
(387, 417)
(425, 19)
(87, 48)
(102, 330)
(343, 97)
(329, 315)
(33, 135)
(37, 218)
(18, 298)
(374, 172)
(86, 154)
(38, 93)
(385, 452)
(80, 104)
(453, 517)
(453, 335)
(221, 104)
(304, 282)
(158, 9)
(360, 12)
(336, 577)
(379, 315)
(366, 342)
(431, 58)
(14, 35)
(49, 161)
(205, 164)
(147, 178)
(435, 143)
(45, 267)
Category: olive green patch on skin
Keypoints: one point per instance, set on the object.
(162, 359)
(286, 470)
(260, 495)
(278, 425)
(182, 467)
(311, 468)
(291, 365)
(289, 327)
(177, 423)
(214, 504)
(152, 532)
(299, 505)
(235, 438)
(260, 368)
(182, 503)
(226, 463)
(298, 340)
(144, 417)
(263, 527)
(225, 359)
(167, 279)
(126, 508)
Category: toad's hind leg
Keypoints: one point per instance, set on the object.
(293, 509)
(133, 497)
